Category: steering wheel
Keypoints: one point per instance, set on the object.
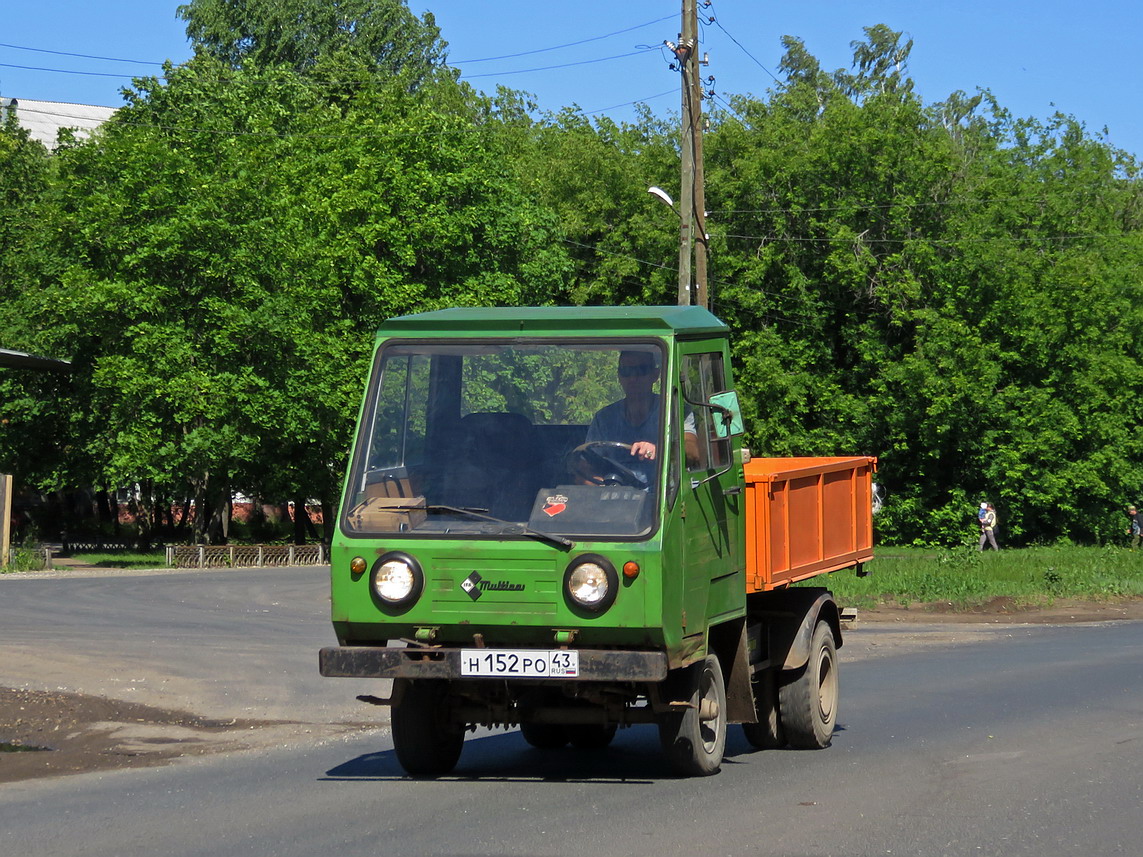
(617, 474)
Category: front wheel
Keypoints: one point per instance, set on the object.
(808, 697)
(694, 738)
(427, 744)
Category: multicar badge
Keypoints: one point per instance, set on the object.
(475, 586)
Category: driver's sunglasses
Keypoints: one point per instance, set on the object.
(636, 371)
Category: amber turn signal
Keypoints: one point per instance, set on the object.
(357, 565)
(630, 569)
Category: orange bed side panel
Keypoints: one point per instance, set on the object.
(805, 517)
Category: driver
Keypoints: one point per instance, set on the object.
(634, 419)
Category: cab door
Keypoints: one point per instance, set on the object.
(711, 493)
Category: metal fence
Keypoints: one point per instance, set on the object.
(244, 556)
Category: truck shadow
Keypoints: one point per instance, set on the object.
(634, 758)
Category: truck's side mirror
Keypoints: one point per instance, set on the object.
(727, 415)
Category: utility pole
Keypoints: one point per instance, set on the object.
(692, 202)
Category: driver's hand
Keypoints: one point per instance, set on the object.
(643, 449)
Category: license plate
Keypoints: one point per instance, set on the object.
(519, 663)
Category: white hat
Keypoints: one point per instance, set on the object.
(984, 505)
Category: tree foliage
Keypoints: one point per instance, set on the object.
(943, 285)
(224, 254)
(298, 34)
(950, 292)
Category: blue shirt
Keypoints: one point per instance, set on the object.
(610, 423)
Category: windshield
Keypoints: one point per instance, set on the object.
(494, 438)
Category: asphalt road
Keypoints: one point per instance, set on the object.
(234, 644)
(1011, 740)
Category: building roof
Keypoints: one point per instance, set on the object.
(44, 119)
(20, 360)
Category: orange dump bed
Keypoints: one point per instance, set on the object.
(805, 517)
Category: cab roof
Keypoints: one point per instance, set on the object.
(686, 321)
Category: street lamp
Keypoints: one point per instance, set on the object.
(664, 197)
(685, 243)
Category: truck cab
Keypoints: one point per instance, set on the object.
(544, 524)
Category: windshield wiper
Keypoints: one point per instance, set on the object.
(521, 528)
(481, 515)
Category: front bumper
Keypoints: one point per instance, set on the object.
(595, 665)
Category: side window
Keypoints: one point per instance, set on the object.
(703, 375)
(674, 477)
(398, 430)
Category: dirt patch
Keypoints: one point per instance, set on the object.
(1006, 610)
(51, 733)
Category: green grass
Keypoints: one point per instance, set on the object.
(962, 577)
(123, 559)
(965, 577)
(23, 559)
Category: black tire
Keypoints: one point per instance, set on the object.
(767, 733)
(694, 738)
(591, 736)
(427, 744)
(544, 736)
(808, 697)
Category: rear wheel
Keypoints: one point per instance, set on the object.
(695, 737)
(427, 744)
(808, 697)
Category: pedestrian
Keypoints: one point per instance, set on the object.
(1134, 527)
(988, 527)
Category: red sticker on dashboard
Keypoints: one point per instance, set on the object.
(555, 504)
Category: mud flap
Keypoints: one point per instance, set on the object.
(729, 641)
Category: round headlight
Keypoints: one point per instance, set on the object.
(394, 581)
(591, 583)
(397, 580)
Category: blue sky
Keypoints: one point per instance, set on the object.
(1037, 57)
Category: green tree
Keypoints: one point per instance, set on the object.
(299, 33)
(229, 251)
(951, 292)
(623, 244)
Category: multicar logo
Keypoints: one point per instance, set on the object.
(475, 586)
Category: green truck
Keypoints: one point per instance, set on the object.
(549, 521)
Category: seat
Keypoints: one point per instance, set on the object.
(497, 466)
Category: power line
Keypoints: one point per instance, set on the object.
(451, 63)
(561, 47)
(950, 242)
(81, 56)
(66, 71)
(562, 65)
(713, 19)
(597, 249)
(638, 52)
(629, 103)
(803, 319)
(357, 132)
